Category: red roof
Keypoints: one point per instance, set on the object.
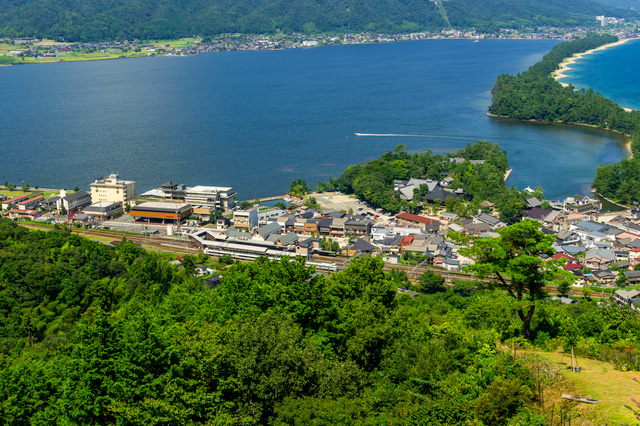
(571, 266)
(407, 240)
(561, 256)
(15, 199)
(23, 211)
(415, 218)
(39, 197)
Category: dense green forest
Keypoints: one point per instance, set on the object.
(99, 20)
(536, 95)
(373, 181)
(91, 334)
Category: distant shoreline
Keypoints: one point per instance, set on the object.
(566, 65)
(389, 38)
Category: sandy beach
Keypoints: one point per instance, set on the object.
(566, 65)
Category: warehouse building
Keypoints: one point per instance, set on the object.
(165, 213)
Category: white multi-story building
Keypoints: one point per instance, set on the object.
(113, 189)
(221, 197)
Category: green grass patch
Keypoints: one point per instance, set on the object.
(597, 379)
(183, 42)
(7, 60)
(11, 194)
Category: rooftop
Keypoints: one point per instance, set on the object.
(415, 218)
(154, 205)
(210, 189)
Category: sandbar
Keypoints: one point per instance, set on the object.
(566, 65)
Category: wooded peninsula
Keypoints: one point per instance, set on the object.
(536, 95)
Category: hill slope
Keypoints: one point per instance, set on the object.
(120, 19)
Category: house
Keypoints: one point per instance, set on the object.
(267, 230)
(571, 249)
(440, 194)
(567, 237)
(605, 277)
(391, 244)
(451, 264)
(222, 223)
(324, 225)
(476, 228)
(308, 246)
(493, 222)
(537, 213)
(283, 239)
(582, 204)
(406, 187)
(358, 246)
(17, 214)
(202, 270)
(632, 277)
(533, 202)
(590, 233)
(623, 297)
(415, 221)
(449, 217)
(212, 281)
(380, 233)
(599, 258)
(357, 228)
(337, 227)
(81, 218)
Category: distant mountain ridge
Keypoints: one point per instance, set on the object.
(95, 20)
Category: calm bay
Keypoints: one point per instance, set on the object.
(256, 120)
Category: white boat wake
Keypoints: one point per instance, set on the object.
(399, 135)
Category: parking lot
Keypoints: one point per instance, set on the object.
(341, 202)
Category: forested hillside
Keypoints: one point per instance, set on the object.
(94, 335)
(96, 20)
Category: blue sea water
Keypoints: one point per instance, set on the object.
(614, 72)
(257, 120)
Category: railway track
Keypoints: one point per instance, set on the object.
(155, 243)
(182, 247)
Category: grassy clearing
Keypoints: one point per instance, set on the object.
(7, 60)
(11, 194)
(183, 42)
(613, 389)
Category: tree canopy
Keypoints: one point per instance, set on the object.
(92, 334)
(514, 259)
